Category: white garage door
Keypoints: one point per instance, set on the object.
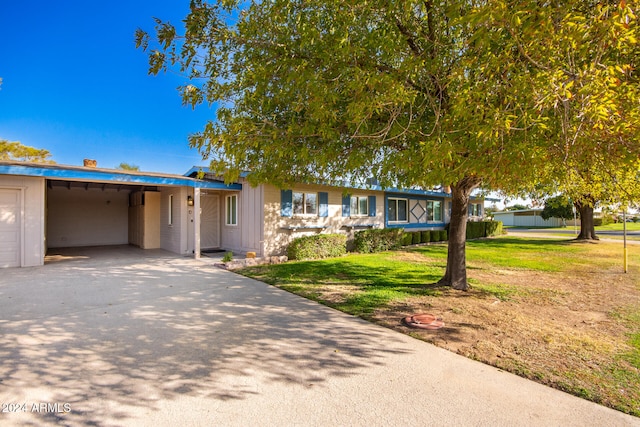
(9, 228)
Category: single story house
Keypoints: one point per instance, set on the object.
(52, 206)
(526, 218)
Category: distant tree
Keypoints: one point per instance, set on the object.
(128, 167)
(13, 150)
(516, 207)
(557, 207)
(489, 211)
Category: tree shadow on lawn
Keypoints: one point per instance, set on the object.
(395, 276)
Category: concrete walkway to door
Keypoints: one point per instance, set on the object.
(125, 337)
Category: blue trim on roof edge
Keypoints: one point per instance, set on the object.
(79, 174)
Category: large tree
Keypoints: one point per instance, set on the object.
(595, 100)
(600, 183)
(14, 150)
(413, 92)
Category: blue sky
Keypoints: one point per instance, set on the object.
(74, 84)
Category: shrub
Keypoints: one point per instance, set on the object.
(407, 239)
(605, 220)
(425, 236)
(378, 239)
(416, 238)
(443, 235)
(476, 230)
(228, 257)
(493, 228)
(318, 246)
(435, 235)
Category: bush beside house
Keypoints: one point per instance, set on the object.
(407, 239)
(493, 228)
(378, 239)
(476, 230)
(317, 246)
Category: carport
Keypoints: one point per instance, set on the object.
(53, 206)
(85, 213)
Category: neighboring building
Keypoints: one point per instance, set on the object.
(52, 206)
(526, 218)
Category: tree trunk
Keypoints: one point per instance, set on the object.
(587, 227)
(456, 273)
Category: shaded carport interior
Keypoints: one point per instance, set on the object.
(85, 213)
(116, 208)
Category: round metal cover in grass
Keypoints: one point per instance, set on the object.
(423, 321)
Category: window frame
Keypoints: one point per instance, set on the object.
(231, 210)
(395, 200)
(358, 211)
(295, 204)
(431, 211)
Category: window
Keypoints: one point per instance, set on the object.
(397, 210)
(359, 206)
(434, 210)
(231, 217)
(305, 204)
(475, 209)
(170, 209)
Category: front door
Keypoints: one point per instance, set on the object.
(210, 221)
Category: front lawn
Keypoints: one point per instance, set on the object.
(618, 226)
(559, 312)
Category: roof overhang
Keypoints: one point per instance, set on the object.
(84, 174)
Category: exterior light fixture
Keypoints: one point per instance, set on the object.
(189, 201)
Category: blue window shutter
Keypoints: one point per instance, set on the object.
(323, 202)
(372, 205)
(346, 205)
(286, 203)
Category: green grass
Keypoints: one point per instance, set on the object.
(513, 253)
(374, 280)
(631, 316)
(631, 226)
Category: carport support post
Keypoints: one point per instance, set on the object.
(196, 222)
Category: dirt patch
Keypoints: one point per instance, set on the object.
(563, 333)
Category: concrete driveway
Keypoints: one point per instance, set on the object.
(122, 336)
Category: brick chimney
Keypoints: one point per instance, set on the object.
(88, 163)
